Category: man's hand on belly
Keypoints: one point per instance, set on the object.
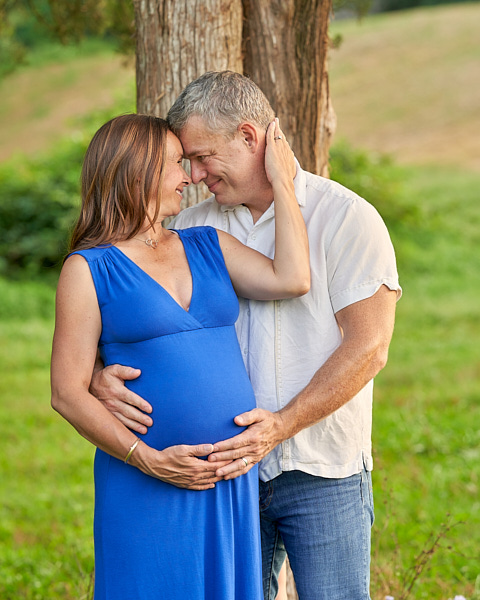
(265, 430)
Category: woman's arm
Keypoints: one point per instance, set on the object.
(77, 331)
(254, 275)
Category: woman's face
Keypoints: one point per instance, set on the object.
(175, 178)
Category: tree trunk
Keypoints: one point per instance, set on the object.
(177, 41)
(285, 52)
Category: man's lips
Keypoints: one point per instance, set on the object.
(211, 186)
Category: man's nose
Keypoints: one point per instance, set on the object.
(197, 172)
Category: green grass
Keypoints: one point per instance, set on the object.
(25, 298)
(427, 405)
(45, 483)
(55, 52)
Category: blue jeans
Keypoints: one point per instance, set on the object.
(324, 525)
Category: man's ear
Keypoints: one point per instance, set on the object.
(250, 135)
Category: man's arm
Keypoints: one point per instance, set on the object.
(367, 328)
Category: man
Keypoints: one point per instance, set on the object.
(311, 360)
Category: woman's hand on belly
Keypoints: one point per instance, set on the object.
(180, 465)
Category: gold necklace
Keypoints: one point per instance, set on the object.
(149, 242)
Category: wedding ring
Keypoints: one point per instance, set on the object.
(245, 461)
(279, 137)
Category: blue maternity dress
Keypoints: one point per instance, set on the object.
(154, 541)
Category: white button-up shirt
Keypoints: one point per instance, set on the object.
(285, 342)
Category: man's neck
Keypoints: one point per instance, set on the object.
(257, 209)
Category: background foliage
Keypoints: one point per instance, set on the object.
(29, 24)
(387, 5)
(39, 202)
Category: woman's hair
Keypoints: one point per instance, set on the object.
(122, 173)
(223, 99)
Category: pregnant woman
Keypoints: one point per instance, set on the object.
(165, 302)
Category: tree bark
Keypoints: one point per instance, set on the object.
(177, 41)
(285, 52)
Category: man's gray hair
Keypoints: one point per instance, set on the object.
(223, 99)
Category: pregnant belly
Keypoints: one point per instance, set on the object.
(196, 383)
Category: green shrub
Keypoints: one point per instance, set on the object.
(39, 199)
(12, 54)
(59, 30)
(39, 203)
(377, 179)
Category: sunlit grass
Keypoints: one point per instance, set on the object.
(427, 400)
(45, 483)
(399, 83)
(42, 101)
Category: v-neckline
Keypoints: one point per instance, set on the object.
(139, 268)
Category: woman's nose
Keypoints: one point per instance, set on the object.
(187, 180)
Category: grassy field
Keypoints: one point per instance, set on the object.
(427, 400)
(407, 83)
(427, 406)
(45, 486)
(44, 102)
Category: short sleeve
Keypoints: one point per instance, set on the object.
(360, 256)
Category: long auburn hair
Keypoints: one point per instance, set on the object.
(122, 173)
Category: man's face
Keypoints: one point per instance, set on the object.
(226, 166)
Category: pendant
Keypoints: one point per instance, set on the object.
(152, 243)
